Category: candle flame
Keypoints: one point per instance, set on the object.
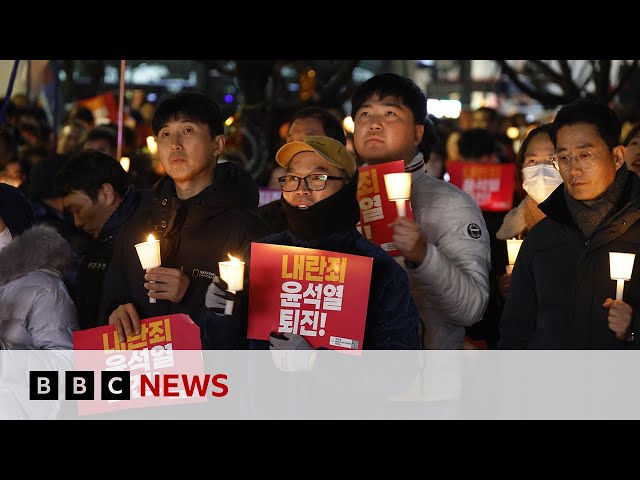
(233, 259)
(151, 238)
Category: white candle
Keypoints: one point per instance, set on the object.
(513, 247)
(620, 268)
(398, 187)
(152, 145)
(232, 272)
(149, 255)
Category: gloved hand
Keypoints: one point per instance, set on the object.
(291, 352)
(217, 296)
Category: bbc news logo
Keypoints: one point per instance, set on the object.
(115, 385)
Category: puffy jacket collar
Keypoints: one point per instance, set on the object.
(39, 247)
(121, 214)
(233, 187)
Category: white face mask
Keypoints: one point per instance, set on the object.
(540, 180)
(5, 238)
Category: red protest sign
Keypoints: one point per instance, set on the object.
(103, 106)
(167, 345)
(376, 210)
(318, 294)
(491, 185)
(177, 330)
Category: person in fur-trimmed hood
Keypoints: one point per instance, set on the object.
(36, 311)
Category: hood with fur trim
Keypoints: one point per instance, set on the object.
(520, 219)
(39, 247)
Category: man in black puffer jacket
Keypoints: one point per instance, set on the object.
(200, 212)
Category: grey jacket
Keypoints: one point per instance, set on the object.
(451, 286)
(36, 311)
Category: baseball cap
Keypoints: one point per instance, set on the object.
(332, 151)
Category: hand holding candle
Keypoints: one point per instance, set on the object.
(149, 255)
(620, 268)
(398, 187)
(513, 248)
(232, 272)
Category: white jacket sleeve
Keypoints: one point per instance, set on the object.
(453, 279)
(52, 321)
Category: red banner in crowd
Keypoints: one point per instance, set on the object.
(376, 210)
(102, 106)
(318, 294)
(491, 185)
(150, 354)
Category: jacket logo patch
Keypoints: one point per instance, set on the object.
(202, 274)
(474, 230)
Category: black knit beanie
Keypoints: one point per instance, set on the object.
(15, 210)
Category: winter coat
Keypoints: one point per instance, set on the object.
(451, 285)
(93, 266)
(195, 234)
(36, 311)
(560, 279)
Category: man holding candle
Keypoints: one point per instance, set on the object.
(446, 249)
(562, 295)
(200, 212)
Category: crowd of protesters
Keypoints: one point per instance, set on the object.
(70, 214)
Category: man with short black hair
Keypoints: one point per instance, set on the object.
(200, 212)
(97, 193)
(445, 250)
(562, 295)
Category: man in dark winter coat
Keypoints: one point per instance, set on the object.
(200, 212)
(96, 192)
(562, 296)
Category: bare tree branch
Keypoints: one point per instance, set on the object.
(547, 99)
(566, 71)
(625, 78)
(563, 82)
(603, 81)
(338, 79)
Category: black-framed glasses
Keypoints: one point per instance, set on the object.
(315, 182)
(584, 159)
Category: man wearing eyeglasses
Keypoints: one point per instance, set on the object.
(319, 191)
(562, 295)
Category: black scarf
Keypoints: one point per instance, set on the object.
(590, 218)
(338, 213)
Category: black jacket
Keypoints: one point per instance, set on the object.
(273, 215)
(195, 234)
(93, 266)
(561, 279)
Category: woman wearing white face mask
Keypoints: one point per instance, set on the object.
(36, 311)
(539, 179)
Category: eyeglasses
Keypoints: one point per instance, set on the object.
(315, 182)
(584, 159)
